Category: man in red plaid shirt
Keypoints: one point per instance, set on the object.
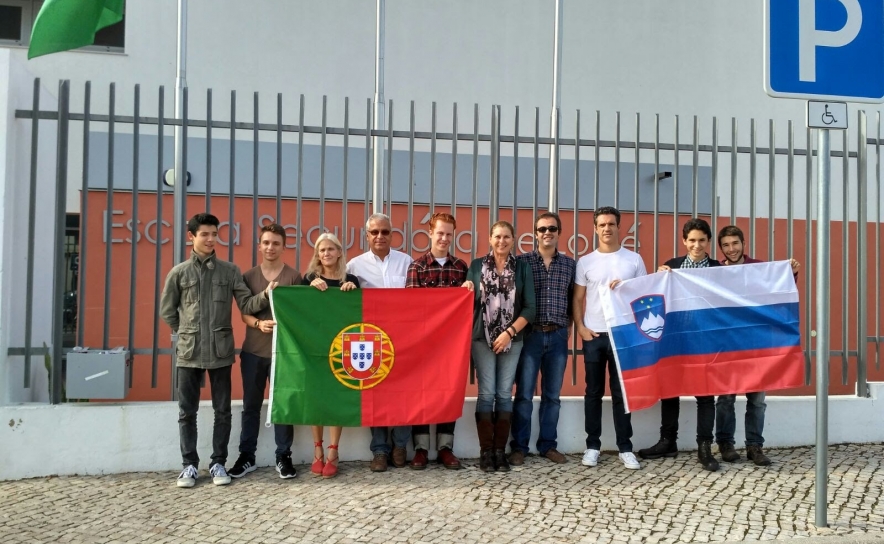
(438, 268)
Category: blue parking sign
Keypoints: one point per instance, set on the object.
(829, 49)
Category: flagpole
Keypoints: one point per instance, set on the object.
(554, 117)
(378, 120)
(180, 184)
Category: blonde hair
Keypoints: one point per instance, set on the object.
(316, 266)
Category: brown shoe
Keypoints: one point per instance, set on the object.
(517, 458)
(447, 459)
(756, 455)
(378, 463)
(399, 457)
(419, 461)
(555, 456)
(728, 452)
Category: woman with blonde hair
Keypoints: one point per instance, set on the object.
(328, 269)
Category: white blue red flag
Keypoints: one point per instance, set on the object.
(709, 331)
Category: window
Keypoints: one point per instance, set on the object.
(17, 18)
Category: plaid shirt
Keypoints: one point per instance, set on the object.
(702, 263)
(553, 288)
(425, 271)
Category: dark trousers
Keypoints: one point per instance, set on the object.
(255, 372)
(188, 404)
(705, 418)
(598, 356)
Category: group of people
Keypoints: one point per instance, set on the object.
(523, 307)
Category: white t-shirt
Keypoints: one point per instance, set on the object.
(373, 271)
(597, 269)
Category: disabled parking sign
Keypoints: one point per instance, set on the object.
(824, 49)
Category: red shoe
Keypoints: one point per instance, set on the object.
(331, 468)
(318, 464)
(448, 459)
(419, 462)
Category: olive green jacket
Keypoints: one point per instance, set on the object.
(196, 303)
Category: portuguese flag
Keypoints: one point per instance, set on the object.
(369, 357)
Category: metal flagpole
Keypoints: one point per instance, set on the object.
(180, 184)
(378, 121)
(554, 114)
(824, 169)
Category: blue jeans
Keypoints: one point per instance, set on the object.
(255, 372)
(547, 353)
(380, 436)
(598, 356)
(726, 420)
(495, 374)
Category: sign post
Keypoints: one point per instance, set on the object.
(827, 52)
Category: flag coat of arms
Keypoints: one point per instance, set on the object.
(710, 331)
(369, 357)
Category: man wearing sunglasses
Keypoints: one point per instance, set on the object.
(546, 348)
(382, 267)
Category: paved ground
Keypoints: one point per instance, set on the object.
(672, 500)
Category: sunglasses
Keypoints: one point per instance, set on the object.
(383, 232)
(542, 230)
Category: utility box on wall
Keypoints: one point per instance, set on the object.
(98, 374)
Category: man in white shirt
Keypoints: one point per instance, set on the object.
(605, 267)
(378, 268)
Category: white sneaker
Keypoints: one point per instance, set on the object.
(629, 460)
(590, 458)
(219, 474)
(188, 476)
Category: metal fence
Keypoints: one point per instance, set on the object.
(252, 172)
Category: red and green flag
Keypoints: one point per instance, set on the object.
(63, 25)
(369, 357)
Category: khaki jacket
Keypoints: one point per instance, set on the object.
(196, 303)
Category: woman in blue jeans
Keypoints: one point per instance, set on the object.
(503, 307)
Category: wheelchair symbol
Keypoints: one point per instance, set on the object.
(827, 117)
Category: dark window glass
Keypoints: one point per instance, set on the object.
(10, 23)
(112, 36)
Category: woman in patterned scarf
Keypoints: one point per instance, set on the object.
(503, 307)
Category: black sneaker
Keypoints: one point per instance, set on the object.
(284, 467)
(243, 465)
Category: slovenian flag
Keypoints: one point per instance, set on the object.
(709, 331)
(369, 357)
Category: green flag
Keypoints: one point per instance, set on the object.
(63, 25)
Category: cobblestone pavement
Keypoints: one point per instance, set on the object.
(672, 500)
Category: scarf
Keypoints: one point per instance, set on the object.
(498, 293)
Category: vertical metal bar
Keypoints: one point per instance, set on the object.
(433, 159)
(695, 172)
(862, 233)
(635, 219)
(300, 177)
(617, 160)
(656, 188)
(61, 192)
(278, 215)
(715, 210)
(555, 160)
(878, 242)
(255, 189)
(133, 263)
(475, 211)
(734, 148)
(344, 203)
(389, 159)
(180, 189)
(808, 253)
(822, 325)
(675, 210)
(231, 195)
(32, 222)
(368, 165)
(108, 235)
(410, 220)
(753, 180)
(596, 169)
(209, 151)
(845, 253)
(377, 194)
(516, 173)
(576, 236)
(322, 144)
(84, 214)
(790, 189)
(454, 161)
(158, 260)
(772, 191)
(535, 188)
(494, 204)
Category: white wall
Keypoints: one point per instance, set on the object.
(113, 438)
